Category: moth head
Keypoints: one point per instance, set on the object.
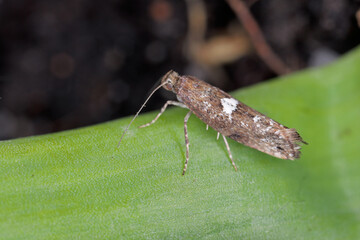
(169, 80)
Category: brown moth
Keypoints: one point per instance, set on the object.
(228, 117)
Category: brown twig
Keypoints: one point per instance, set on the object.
(357, 15)
(258, 40)
(197, 16)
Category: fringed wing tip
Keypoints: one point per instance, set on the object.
(296, 140)
(295, 136)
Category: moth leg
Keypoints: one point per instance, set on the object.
(179, 104)
(187, 143)
(228, 149)
(207, 127)
(218, 135)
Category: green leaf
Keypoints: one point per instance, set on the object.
(77, 185)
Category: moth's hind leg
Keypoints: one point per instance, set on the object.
(228, 149)
(179, 104)
(187, 143)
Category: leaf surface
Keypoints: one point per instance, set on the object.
(77, 185)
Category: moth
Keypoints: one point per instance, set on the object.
(228, 116)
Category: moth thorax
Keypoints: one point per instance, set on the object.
(170, 79)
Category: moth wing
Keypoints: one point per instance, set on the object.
(238, 121)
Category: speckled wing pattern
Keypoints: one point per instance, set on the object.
(236, 120)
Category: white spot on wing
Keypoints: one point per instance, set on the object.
(256, 119)
(229, 106)
(268, 129)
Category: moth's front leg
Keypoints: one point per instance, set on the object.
(179, 104)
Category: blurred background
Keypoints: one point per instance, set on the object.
(72, 63)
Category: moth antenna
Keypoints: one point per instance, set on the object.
(140, 110)
(154, 86)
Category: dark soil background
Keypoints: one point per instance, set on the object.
(71, 63)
